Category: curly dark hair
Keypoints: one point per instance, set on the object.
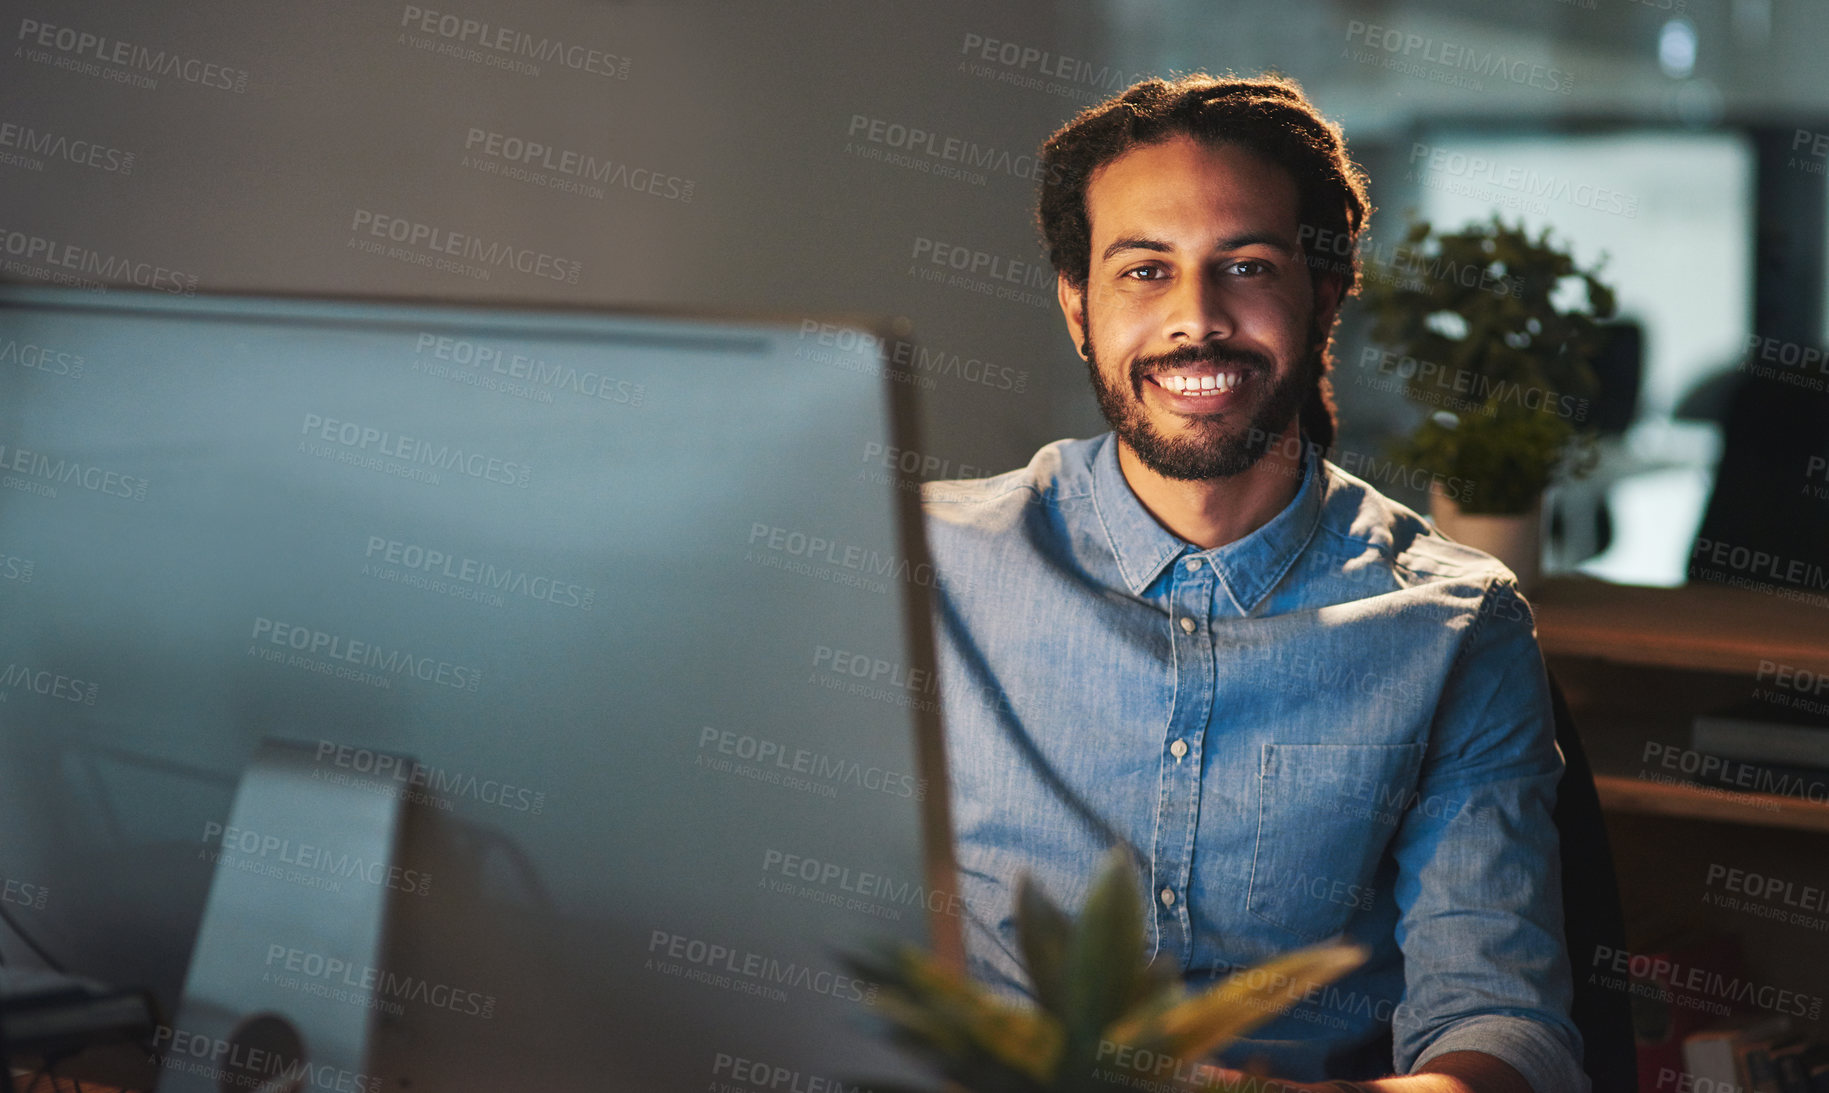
(1267, 114)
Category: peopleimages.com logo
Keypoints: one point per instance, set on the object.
(27, 141)
(506, 47)
(48, 684)
(269, 854)
(477, 573)
(86, 52)
(441, 783)
(236, 1064)
(41, 473)
(1442, 61)
(359, 659)
(459, 252)
(388, 449)
(71, 263)
(567, 169)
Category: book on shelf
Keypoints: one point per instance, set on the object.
(1778, 1066)
(1718, 1053)
(1666, 1008)
(1765, 734)
(1791, 1064)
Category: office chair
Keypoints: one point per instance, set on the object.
(1591, 914)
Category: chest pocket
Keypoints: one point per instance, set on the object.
(1326, 813)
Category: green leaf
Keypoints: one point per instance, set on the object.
(1105, 957)
(1104, 993)
(1242, 1002)
(1044, 931)
(957, 1023)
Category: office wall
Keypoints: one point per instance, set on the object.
(801, 158)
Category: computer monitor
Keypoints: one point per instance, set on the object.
(642, 597)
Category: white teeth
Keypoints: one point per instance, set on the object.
(1200, 384)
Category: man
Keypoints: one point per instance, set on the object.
(1308, 714)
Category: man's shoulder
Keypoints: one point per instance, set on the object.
(1058, 475)
(1359, 521)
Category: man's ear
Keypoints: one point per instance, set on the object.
(1073, 309)
(1330, 289)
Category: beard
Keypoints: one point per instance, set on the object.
(1217, 445)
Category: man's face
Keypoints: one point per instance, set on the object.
(1199, 320)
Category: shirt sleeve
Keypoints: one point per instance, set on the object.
(1479, 878)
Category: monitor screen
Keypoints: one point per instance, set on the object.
(628, 613)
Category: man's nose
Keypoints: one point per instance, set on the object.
(1198, 310)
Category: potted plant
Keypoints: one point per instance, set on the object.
(1494, 334)
(1104, 1017)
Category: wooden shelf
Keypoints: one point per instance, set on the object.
(1701, 626)
(1696, 628)
(1619, 794)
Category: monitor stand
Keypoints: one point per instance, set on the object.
(287, 963)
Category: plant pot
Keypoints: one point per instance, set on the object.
(1516, 540)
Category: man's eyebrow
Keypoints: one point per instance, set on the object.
(1254, 239)
(1230, 242)
(1136, 242)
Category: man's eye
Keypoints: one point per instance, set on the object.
(1144, 273)
(1248, 267)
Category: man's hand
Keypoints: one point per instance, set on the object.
(1455, 1072)
(1463, 1072)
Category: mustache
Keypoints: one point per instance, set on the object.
(1205, 353)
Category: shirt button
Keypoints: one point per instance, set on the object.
(1187, 624)
(1192, 564)
(1168, 897)
(1179, 748)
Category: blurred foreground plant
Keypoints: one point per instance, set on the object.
(1096, 996)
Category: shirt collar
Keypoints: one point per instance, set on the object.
(1249, 567)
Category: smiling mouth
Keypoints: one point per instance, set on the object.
(1198, 383)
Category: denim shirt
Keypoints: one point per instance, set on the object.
(1336, 725)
